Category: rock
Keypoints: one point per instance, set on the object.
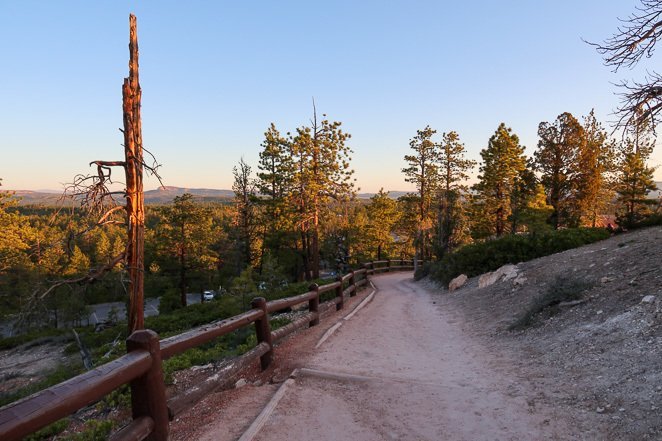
(648, 299)
(240, 383)
(600, 410)
(519, 280)
(200, 368)
(457, 282)
(606, 280)
(599, 312)
(488, 279)
(507, 272)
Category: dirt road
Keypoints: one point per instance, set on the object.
(402, 369)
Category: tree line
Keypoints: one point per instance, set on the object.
(576, 176)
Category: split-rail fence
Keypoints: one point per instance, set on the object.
(141, 367)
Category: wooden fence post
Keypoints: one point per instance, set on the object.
(352, 283)
(148, 396)
(340, 294)
(263, 331)
(388, 266)
(314, 305)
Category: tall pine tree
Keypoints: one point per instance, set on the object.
(502, 180)
(453, 169)
(556, 161)
(423, 172)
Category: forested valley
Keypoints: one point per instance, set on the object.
(296, 217)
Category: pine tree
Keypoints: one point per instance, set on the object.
(502, 182)
(246, 219)
(275, 183)
(423, 172)
(453, 169)
(382, 216)
(594, 165)
(322, 173)
(185, 234)
(556, 161)
(634, 181)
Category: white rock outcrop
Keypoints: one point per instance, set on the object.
(506, 272)
(457, 282)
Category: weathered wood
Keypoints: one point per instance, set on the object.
(314, 305)
(136, 430)
(280, 304)
(30, 414)
(148, 397)
(352, 283)
(340, 294)
(221, 379)
(263, 330)
(179, 343)
(328, 287)
(135, 206)
(349, 290)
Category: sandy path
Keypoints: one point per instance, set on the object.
(416, 376)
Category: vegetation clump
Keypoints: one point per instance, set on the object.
(560, 291)
(479, 258)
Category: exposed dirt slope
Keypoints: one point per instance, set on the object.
(599, 357)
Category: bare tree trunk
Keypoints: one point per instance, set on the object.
(133, 151)
(315, 247)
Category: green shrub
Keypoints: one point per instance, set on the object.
(62, 373)
(170, 301)
(561, 290)
(34, 337)
(49, 432)
(479, 258)
(94, 430)
(423, 271)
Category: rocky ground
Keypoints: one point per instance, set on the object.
(599, 355)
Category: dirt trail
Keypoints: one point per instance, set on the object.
(402, 369)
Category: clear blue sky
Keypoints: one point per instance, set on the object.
(215, 74)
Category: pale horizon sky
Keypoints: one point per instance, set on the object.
(214, 75)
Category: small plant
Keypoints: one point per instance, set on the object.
(94, 430)
(50, 431)
(561, 290)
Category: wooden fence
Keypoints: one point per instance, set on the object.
(141, 367)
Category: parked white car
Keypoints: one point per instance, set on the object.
(208, 296)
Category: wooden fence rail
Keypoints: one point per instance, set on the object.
(141, 367)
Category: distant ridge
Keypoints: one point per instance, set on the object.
(166, 194)
(162, 195)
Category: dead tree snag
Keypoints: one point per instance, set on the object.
(135, 207)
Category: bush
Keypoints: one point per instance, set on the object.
(423, 271)
(561, 290)
(479, 258)
(170, 301)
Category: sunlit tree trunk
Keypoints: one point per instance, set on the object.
(133, 151)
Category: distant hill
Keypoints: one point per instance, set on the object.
(44, 197)
(392, 194)
(162, 195)
(165, 195)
